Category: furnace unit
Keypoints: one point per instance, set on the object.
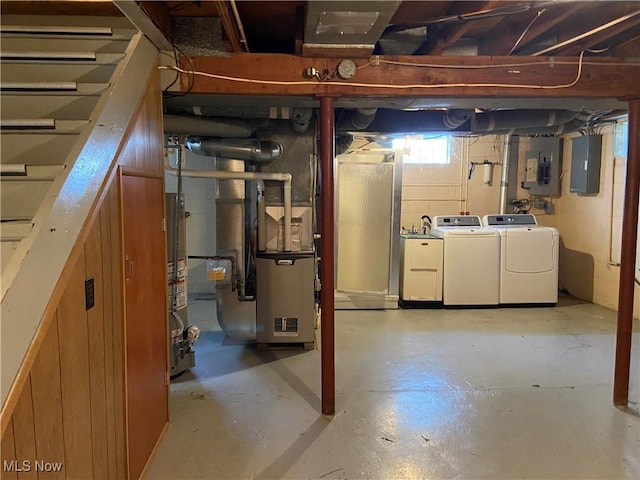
(285, 298)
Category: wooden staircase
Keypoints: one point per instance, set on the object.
(55, 73)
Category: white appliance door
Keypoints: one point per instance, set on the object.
(529, 250)
(471, 269)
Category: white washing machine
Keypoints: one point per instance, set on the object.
(528, 259)
(471, 261)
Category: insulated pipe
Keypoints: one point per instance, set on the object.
(258, 176)
(206, 126)
(455, 117)
(357, 119)
(499, 122)
(628, 260)
(514, 119)
(504, 177)
(327, 300)
(236, 148)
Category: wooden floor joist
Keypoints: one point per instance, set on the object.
(401, 76)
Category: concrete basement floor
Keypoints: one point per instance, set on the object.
(420, 394)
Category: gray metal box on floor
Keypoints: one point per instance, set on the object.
(586, 152)
(285, 298)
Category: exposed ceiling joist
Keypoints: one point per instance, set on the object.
(600, 37)
(454, 33)
(401, 76)
(512, 34)
(585, 37)
(228, 24)
(628, 48)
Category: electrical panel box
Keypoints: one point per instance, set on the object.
(543, 164)
(586, 153)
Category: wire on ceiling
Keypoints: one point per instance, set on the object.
(390, 86)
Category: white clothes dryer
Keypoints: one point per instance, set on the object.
(471, 261)
(528, 259)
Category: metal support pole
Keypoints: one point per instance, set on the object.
(628, 260)
(327, 143)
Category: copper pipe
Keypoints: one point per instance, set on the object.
(628, 260)
(327, 351)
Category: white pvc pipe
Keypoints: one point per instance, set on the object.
(262, 218)
(224, 175)
(504, 180)
(287, 216)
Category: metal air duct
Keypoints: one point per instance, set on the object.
(236, 148)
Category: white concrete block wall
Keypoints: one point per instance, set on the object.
(199, 194)
(591, 227)
(446, 189)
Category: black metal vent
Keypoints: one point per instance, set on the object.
(285, 327)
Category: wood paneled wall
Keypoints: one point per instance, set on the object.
(71, 409)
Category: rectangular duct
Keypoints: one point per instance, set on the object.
(345, 28)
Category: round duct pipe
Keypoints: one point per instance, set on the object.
(455, 118)
(400, 121)
(523, 122)
(507, 120)
(236, 148)
(206, 126)
(357, 119)
(301, 119)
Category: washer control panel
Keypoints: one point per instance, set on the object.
(506, 220)
(458, 221)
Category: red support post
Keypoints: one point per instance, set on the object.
(327, 143)
(628, 260)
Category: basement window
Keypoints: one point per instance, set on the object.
(418, 149)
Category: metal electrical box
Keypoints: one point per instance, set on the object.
(285, 301)
(586, 152)
(543, 164)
